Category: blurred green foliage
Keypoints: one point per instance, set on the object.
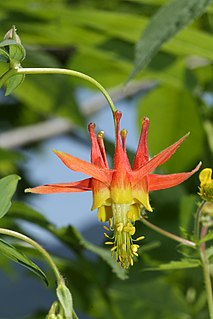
(98, 38)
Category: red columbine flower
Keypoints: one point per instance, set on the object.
(120, 193)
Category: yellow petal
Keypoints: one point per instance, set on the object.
(205, 176)
(104, 213)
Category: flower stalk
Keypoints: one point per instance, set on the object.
(30, 241)
(207, 278)
(179, 239)
(201, 230)
(71, 73)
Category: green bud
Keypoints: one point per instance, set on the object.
(65, 299)
(12, 35)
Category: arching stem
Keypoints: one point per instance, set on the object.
(71, 73)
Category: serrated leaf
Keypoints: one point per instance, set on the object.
(180, 264)
(13, 254)
(209, 254)
(169, 20)
(13, 82)
(65, 298)
(208, 237)
(8, 186)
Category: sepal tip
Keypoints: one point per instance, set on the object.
(28, 190)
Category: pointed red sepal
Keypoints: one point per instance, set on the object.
(96, 156)
(76, 164)
(80, 186)
(157, 182)
(156, 161)
(142, 153)
(121, 162)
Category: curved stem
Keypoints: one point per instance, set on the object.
(181, 240)
(72, 73)
(33, 243)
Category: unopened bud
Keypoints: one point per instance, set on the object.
(12, 35)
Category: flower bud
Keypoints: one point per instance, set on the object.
(12, 35)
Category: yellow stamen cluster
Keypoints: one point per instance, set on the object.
(124, 247)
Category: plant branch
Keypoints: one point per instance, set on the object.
(206, 272)
(22, 136)
(181, 240)
(200, 232)
(71, 73)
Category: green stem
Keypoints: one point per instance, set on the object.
(208, 284)
(197, 220)
(204, 258)
(72, 73)
(33, 243)
(181, 240)
(207, 276)
(74, 314)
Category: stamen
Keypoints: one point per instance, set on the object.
(100, 139)
(107, 236)
(123, 134)
(109, 243)
(111, 224)
(139, 238)
(106, 228)
(124, 247)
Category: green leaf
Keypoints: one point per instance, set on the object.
(17, 53)
(12, 253)
(180, 264)
(208, 237)
(16, 50)
(4, 56)
(173, 112)
(170, 19)
(7, 42)
(65, 299)
(209, 254)
(8, 186)
(13, 82)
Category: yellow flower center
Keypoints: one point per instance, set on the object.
(123, 245)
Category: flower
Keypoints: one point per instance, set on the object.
(120, 193)
(206, 184)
